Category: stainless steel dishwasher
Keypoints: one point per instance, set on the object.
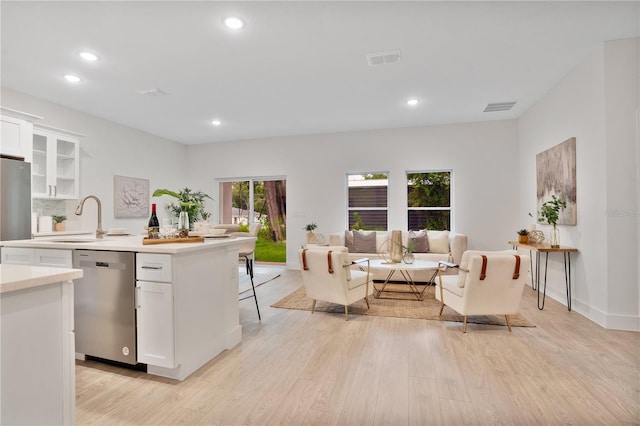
(105, 315)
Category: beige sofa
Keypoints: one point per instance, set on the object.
(443, 245)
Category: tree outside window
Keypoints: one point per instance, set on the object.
(368, 201)
(429, 200)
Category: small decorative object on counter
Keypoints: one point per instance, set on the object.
(154, 226)
(59, 222)
(523, 236)
(183, 224)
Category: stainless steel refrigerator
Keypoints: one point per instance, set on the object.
(15, 199)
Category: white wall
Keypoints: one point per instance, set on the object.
(108, 149)
(481, 156)
(596, 103)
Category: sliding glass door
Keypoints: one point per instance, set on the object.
(257, 200)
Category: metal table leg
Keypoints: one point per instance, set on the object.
(544, 292)
(567, 277)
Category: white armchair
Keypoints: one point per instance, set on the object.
(327, 276)
(488, 283)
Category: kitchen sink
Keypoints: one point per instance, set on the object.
(73, 240)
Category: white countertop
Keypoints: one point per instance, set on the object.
(20, 277)
(124, 243)
(62, 233)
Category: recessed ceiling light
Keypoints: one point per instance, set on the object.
(233, 23)
(216, 122)
(72, 78)
(88, 56)
(413, 102)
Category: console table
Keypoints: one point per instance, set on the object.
(546, 249)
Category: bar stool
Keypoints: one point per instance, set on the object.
(246, 252)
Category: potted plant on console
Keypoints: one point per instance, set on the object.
(310, 227)
(58, 222)
(523, 236)
(550, 212)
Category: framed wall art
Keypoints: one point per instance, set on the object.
(131, 197)
(556, 175)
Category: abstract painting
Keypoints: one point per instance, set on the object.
(556, 175)
(131, 197)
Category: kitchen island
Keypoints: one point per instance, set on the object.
(186, 294)
(37, 350)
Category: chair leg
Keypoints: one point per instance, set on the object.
(441, 308)
(366, 299)
(346, 313)
(313, 307)
(508, 322)
(464, 328)
(249, 267)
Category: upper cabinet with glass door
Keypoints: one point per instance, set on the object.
(55, 169)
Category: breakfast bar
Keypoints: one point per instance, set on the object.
(184, 296)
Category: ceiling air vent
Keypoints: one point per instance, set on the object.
(382, 58)
(499, 106)
(152, 92)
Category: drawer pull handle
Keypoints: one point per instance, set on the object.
(156, 268)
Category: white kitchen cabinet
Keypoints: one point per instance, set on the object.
(155, 310)
(55, 168)
(38, 346)
(37, 257)
(17, 131)
(155, 323)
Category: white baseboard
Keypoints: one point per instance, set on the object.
(603, 319)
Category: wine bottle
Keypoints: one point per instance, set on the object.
(154, 225)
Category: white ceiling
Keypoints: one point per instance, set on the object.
(299, 67)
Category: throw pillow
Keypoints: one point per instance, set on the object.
(348, 240)
(364, 242)
(438, 241)
(420, 240)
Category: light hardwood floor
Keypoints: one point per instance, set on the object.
(298, 368)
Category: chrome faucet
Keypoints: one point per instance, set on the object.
(99, 232)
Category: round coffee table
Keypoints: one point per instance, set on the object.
(405, 269)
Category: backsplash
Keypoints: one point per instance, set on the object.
(49, 207)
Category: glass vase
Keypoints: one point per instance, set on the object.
(555, 238)
(183, 225)
(408, 258)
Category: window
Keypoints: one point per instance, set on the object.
(429, 200)
(368, 201)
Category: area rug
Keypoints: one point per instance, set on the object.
(401, 307)
(261, 275)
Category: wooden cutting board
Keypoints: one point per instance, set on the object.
(146, 241)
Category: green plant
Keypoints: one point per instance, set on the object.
(58, 219)
(205, 215)
(523, 232)
(310, 227)
(410, 247)
(550, 210)
(190, 201)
